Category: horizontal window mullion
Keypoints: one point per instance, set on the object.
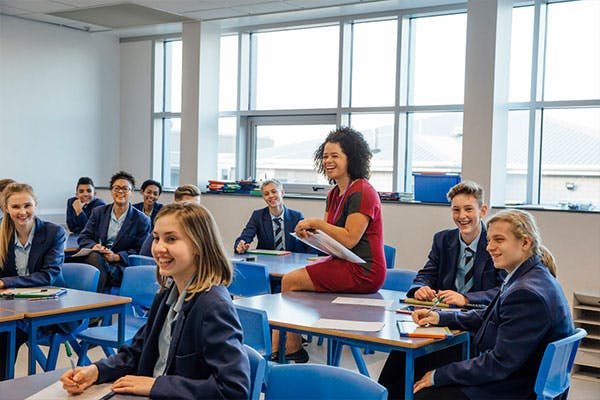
(166, 115)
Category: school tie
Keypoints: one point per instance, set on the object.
(278, 234)
(469, 261)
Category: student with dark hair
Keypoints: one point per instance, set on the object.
(352, 217)
(191, 347)
(31, 250)
(115, 231)
(80, 207)
(151, 191)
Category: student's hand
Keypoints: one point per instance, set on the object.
(133, 384)
(1, 284)
(84, 377)
(420, 318)
(100, 248)
(110, 256)
(78, 206)
(422, 383)
(425, 293)
(452, 297)
(242, 247)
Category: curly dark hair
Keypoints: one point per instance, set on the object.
(355, 147)
(123, 175)
(149, 182)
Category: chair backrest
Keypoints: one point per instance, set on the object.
(553, 376)
(390, 255)
(255, 325)
(136, 259)
(316, 381)
(258, 368)
(399, 279)
(140, 284)
(79, 276)
(249, 279)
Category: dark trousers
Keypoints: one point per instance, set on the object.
(110, 274)
(392, 375)
(444, 392)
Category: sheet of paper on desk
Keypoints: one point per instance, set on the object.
(328, 245)
(363, 302)
(346, 325)
(83, 252)
(56, 392)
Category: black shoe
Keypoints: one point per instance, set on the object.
(304, 342)
(299, 357)
(274, 356)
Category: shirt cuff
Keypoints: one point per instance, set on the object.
(432, 379)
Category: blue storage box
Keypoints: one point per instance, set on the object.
(432, 188)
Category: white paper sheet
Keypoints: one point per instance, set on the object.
(328, 245)
(346, 325)
(56, 392)
(83, 252)
(363, 302)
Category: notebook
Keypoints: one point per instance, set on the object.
(33, 292)
(411, 329)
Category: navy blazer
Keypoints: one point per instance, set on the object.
(439, 272)
(512, 335)
(261, 226)
(155, 210)
(129, 239)
(206, 357)
(45, 257)
(75, 222)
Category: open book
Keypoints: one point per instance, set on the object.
(33, 292)
(328, 245)
(411, 329)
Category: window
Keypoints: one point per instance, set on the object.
(553, 149)
(167, 112)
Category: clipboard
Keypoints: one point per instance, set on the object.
(269, 252)
(323, 242)
(411, 329)
(30, 293)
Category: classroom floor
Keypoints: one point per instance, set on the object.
(580, 389)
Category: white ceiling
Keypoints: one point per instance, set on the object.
(95, 16)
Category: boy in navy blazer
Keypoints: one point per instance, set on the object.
(80, 207)
(263, 226)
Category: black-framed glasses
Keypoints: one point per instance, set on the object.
(122, 189)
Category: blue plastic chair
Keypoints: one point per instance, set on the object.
(136, 259)
(399, 279)
(255, 325)
(140, 284)
(258, 369)
(554, 374)
(390, 255)
(315, 381)
(78, 276)
(249, 279)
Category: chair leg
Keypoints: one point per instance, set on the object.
(55, 343)
(360, 361)
(108, 351)
(320, 341)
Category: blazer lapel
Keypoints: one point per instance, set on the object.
(268, 227)
(480, 258)
(177, 333)
(486, 319)
(125, 228)
(39, 237)
(453, 250)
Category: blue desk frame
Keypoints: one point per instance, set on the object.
(10, 327)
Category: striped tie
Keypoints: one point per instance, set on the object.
(278, 234)
(469, 260)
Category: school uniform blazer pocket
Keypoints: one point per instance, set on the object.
(188, 365)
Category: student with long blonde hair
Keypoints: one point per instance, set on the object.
(191, 346)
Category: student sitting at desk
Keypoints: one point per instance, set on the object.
(3, 184)
(273, 224)
(31, 250)
(184, 193)
(80, 207)
(151, 190)
(529, 312)
(115, 230)
(352, 217)
(191, 347)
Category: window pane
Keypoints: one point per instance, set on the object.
(516, 157)
(378, 130)
(573, 51)
(171, 152)
(228, 73)
(374, 66)
(571, 156)
(520, 54)
(227, 144)
(173, 59)
(286, 152)
(437, 141)
(438, 59)
(293, 65)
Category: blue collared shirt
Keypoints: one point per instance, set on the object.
(115, 226)
(274, 225)
(461, 270)
(22, 253)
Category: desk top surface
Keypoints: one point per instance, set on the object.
(7, 315)
(301, 310)
(73, 300)
(277, 265)
(71, 244)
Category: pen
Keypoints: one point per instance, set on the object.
(399, 311)
(70, 355)
(434, 305)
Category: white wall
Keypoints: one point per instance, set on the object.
(59, 108)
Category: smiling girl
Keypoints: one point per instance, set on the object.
(191, 346)
(151, 191)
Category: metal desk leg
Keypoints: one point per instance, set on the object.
(10, 357)
(409, 374)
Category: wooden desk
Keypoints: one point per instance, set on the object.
(26, 386)
(71, 245)
(277, 265)
(73, 306)
(299, 311)
(8, 324)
